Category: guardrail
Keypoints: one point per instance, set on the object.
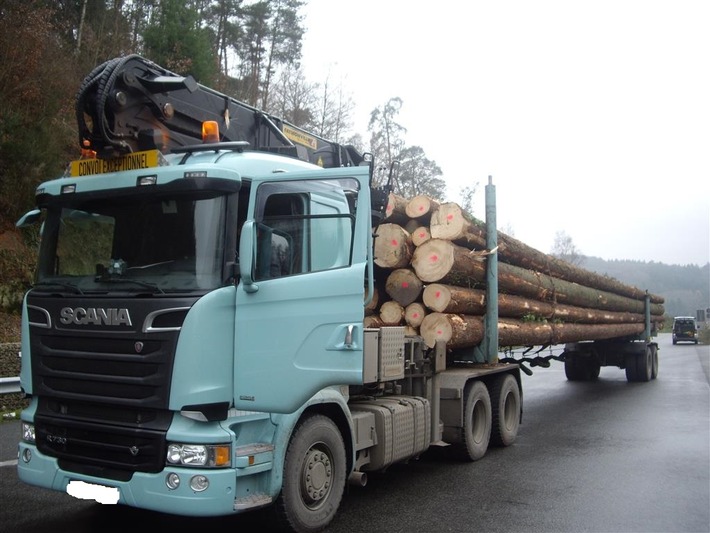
(9, 385)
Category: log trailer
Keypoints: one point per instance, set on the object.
(170, 368)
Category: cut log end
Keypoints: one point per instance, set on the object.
(433, 260)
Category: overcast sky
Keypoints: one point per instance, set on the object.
(592, 117)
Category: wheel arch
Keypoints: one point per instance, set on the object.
(453, 385)
(328, 403)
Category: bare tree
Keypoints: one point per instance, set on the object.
(467, 193)
(386, 138)
(293, 98)
(563, 248)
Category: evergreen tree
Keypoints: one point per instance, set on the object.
(176, 40)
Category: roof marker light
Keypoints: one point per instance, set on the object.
(210, 131)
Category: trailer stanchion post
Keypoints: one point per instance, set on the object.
(491, 323)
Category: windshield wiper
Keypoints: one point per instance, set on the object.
(64, 284)
(152, 286)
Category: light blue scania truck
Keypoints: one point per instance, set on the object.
(194, 341)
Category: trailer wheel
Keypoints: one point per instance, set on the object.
(630, 366)
(581, 368)
(314, 476)
(505, 404)
(639, 367)
(645, 362)
(477, 420)
(654, 361)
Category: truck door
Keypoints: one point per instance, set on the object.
(299, 307)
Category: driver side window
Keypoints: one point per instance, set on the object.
(302, 227)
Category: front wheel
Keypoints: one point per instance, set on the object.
(314, 476)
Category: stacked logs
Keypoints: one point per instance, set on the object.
(430, 262)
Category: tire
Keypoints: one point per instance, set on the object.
(593, 369)
(573, 370)
(581, 368)
(639, 367)
(506, 407)
(645, 365)
(630, 365)
(477, 420)
(654, 359)
(314, 476)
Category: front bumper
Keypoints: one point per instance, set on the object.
(228, 488)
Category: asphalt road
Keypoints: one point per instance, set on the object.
(608, 456)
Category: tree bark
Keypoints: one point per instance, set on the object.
(444, 261)
(373, 321)
(458, 331)
(451, 299)
(374, 304)
(449, 222)
(439, 260)
(466, 331)
(396, 210)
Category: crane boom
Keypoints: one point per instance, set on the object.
(129, 104)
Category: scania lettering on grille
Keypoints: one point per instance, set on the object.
(96, 316)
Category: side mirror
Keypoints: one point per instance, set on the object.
(28, 218)
(247, 245)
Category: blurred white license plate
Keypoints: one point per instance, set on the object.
(90, 491)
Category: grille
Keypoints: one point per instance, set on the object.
(100, 447)
(104, 369)
(103, 392)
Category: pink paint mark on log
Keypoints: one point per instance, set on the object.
(438, 294)
(433, 258)
(405, 285)
(394, 242)
(449, 217)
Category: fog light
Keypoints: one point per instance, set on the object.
(172, 480)
(26, 455)
(199, 483)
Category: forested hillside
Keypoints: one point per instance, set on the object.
(685, 288)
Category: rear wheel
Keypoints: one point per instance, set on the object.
(639, 367)
(505, 405)
(314, 475)
(631, 367)
(654, 361)
(645, 362)
(579, 368)
(476, 430)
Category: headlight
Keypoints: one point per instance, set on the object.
(210, 456)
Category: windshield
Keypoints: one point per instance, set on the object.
(158, 244)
